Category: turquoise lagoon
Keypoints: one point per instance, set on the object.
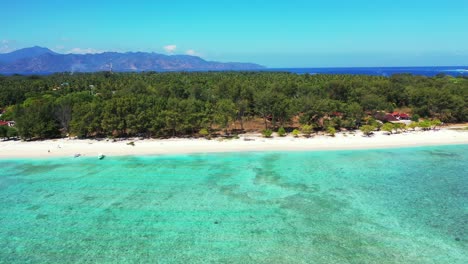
(405, 205)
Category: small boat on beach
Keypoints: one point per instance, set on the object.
(77, 155)
(101, 156)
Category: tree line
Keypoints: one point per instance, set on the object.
(155, 104)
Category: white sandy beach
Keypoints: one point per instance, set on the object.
(247, 142)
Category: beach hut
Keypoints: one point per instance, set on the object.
(7, 123)
(389, 118)
(404, 116)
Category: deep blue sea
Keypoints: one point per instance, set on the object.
(405, 205)
(381, 71)
(374, 71)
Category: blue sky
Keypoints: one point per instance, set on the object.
(293, 33)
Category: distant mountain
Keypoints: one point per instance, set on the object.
(24, 54)
(43, 61)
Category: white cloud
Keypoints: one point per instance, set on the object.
(192, 52)
(84, 51)
(170, 48)
(6, 46)
(59, 47)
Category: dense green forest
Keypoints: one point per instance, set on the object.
(183, 104)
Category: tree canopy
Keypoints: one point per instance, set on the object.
(154, 104)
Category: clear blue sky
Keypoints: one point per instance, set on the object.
(292, 33)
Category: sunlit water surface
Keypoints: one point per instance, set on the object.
(368, 206)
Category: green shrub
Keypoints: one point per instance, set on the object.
(425, 125)
(12, 132)
(267, 133)
(331, 131)
(204, 133)
(435, 123)
(374, 122)
(415, 118)
(399, 126)
(388, 127)
(281, 132)
(413, 125)
(8, 132)
(3, 131)
(367, 129)
(296, 133)
(307, 130)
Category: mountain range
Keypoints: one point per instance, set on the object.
(39, 60)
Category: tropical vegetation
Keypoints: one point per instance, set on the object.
(155, 104)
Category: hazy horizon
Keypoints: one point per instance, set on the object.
(295, 34)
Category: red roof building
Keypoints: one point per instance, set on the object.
(404, 116)
(390, 118)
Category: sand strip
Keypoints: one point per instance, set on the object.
(247, 142)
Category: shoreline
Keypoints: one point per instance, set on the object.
(68, 147)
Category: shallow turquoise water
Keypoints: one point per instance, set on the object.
(368, 206)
